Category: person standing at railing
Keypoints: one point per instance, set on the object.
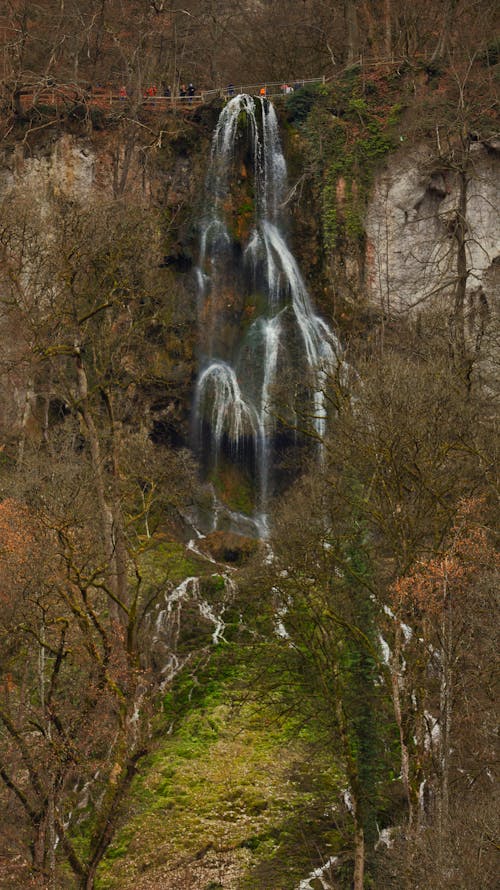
(230, 89)
(122, 93)
(150, 94)
(263, 92)
(191, 92)
(182, 91)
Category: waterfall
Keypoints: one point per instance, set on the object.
(264, 353)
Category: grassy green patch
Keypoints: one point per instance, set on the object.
(226, 783)
(217, 782)
(169, 561)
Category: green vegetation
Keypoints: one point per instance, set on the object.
(234, 485)
(347, 131)
(226, 791)
(164, 560)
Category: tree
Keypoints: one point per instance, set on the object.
(82, 308)
(322, 661)
(450, 596)
(401, 455)
(74, 684)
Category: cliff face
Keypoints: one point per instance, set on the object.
(62, 165)
(410, 254)
(408, 222)
(406, 258)
(161, 176)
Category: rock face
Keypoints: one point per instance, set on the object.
(411, 252)
(409, 261)
(82, 170)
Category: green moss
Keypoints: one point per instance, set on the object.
(234, 486)
(225, 779)
(216, 780)
(329, 210)
(213, 586)
(167, 560)
(246, 206)
(347, 133)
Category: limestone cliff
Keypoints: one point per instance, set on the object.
(159, 172)
(403, 256)
(410, 252)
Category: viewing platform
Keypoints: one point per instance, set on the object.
(64, 95)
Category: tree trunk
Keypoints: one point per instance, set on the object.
(39, 844)
(355, 792)
(458, 343)
(388, 28)
(51, 837)
(445, 706)
(120, 548)
(445, 31)
(27, 415)
(107, 820)
(359, 857)
(106, 515)
(17, 104)
(370, 25)
(351, 22)
(121, 165)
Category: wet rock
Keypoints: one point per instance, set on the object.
(228, 547)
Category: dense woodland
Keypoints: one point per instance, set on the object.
(213, 42)
(344, 718)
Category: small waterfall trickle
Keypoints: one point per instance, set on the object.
(264, 351)
(164, 626)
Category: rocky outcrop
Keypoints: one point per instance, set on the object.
(87, 169)
(407, 259)
(411, 252)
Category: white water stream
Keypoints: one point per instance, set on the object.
(166, 623)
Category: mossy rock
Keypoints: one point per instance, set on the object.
(168, 561)
(229, 547)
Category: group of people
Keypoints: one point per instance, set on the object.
(285, 88)
(188, 92)
(151, 92)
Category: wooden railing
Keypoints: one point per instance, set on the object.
(104, 97)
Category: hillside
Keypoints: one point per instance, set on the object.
(249, 447)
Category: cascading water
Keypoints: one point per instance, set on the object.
(265, 354)
(164, 626)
